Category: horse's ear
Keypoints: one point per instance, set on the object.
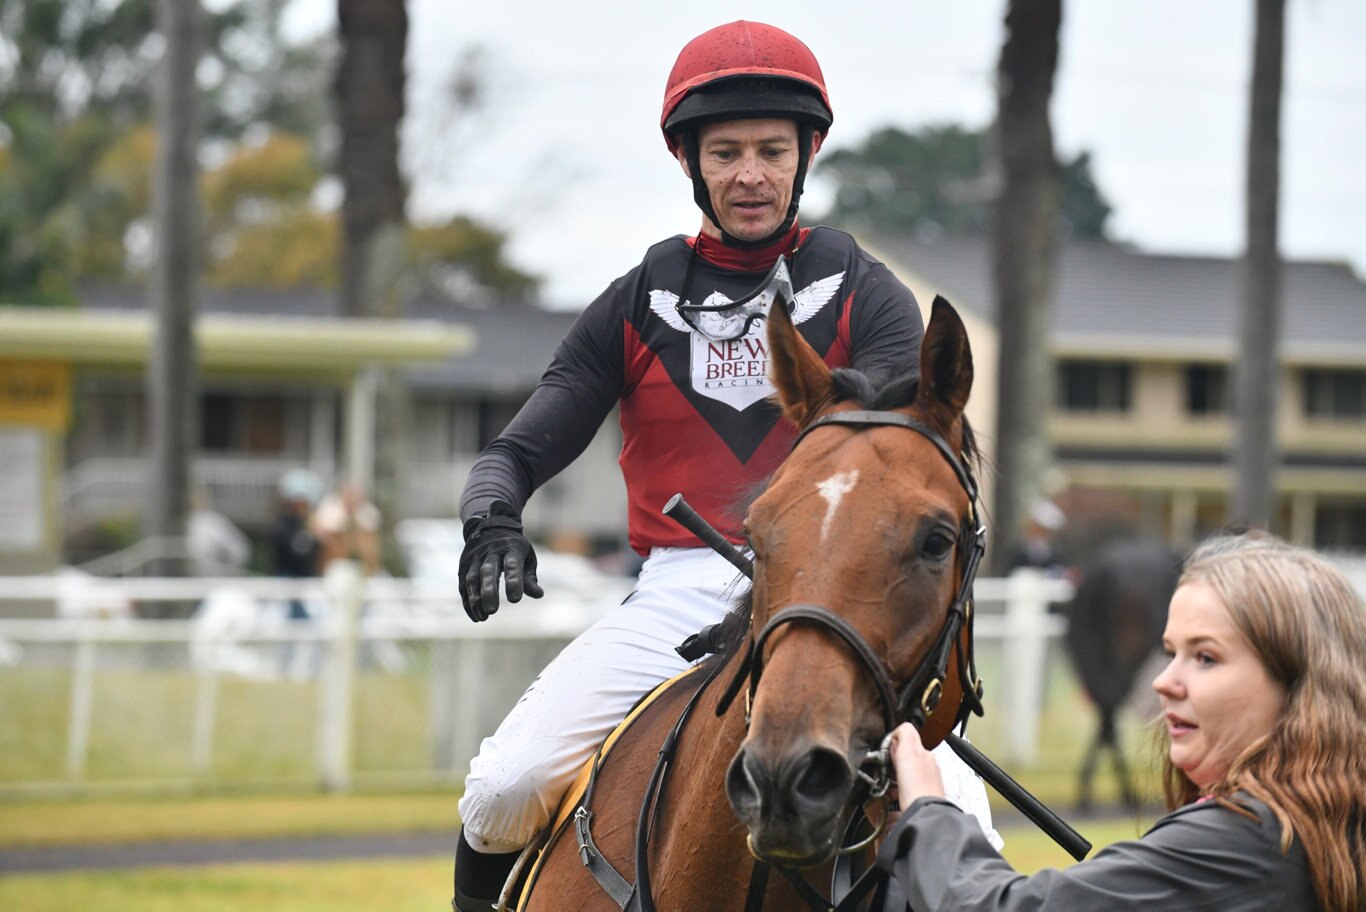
(945, 364)
(797, 372)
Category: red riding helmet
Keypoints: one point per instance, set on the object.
(709, 80)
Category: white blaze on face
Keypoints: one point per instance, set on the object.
(833, 490)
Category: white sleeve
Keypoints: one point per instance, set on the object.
(965, 789)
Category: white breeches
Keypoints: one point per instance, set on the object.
(523, 770)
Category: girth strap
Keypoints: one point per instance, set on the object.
(602, 871)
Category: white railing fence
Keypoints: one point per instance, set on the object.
(384, 682)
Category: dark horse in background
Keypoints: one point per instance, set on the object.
(1114, 625)
(858, 536)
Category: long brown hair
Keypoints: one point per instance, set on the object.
(1307, 624)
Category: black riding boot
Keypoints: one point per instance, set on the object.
(479, 877)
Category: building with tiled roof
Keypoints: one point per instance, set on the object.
(1143, 345)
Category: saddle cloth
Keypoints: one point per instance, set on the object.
(575, 796)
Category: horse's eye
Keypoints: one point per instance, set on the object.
(937, 546)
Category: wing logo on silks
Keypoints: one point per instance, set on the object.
(729, 358)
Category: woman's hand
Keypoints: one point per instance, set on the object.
(917, 772)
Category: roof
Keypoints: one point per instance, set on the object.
(511, 345)
(515, 346)
(1117, 300)
(281, 344)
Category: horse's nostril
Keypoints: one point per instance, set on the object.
(740, 785)
(824, 776)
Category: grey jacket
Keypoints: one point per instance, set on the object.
(1201, 856)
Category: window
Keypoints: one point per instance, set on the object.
(219, 416)
(1335, 393)
(464, 427)
(1094, 386)
(251, 424)
(1340, 525)
(494, 416)
(265, 424)
(1206, 389)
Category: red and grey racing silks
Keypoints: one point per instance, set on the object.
(693, 389)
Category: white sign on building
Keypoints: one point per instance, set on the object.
(21, 489)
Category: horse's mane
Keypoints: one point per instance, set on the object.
(849, 386)
(855, 386)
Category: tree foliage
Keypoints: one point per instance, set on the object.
(263, 228)
(942, 180)
(44, 219)
(465, 260)
(75, 110)
(265, 231)
(77, 146)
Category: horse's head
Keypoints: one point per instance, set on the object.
(860, 541)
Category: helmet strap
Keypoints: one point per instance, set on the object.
(702, 196)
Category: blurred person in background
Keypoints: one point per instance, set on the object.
(679, 344)
(295, 550)
(293, 545)
(347, 526)
(1038, 549)
(1264, 704)
(213, 543)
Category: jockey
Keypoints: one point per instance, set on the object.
(679, 345)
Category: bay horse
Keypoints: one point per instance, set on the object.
(1114, 625)
(864, 543)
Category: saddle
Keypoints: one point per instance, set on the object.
(523, 878)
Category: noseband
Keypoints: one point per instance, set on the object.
(919, 697)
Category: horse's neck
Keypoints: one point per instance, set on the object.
(699, 844)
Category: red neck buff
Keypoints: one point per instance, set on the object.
(742, 259)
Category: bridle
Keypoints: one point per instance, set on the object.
(920, 695)
(914, 702)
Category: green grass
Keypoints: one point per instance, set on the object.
(264, 741)
(1029, 850)
(46, 823)
(379, 886)
(265, 732)
(350, 886)
(33, 703)
(143, 719)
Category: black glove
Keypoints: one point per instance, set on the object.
(494, 546)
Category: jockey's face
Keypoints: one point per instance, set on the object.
(748, 167)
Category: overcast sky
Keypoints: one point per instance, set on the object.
(569, 160)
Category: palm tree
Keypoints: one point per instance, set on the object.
(369, 87)
(172, 378)
(370, 107)
(1024, 244)
(1258, 361)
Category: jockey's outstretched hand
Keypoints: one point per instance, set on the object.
(496, 546)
